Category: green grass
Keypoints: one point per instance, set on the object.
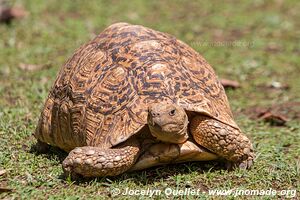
(54, 29)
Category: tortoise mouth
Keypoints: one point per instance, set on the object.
(167, 127)
(171, 127)
(169, 132)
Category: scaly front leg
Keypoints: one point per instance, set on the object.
(224, 140)
(94, 161)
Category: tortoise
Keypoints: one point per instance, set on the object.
(133, 98)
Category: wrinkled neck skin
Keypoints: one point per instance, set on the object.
(167, 126)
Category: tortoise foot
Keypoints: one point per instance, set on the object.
(95, 162)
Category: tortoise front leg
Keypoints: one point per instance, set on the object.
(222, 139)
(91, 161)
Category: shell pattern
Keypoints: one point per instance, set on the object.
(102, 93)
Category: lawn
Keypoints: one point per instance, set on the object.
(256, 43)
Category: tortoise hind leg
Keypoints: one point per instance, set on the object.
(91, 161)
(41, 147)
(224, 140)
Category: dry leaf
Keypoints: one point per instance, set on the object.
(32, 67)
(274, 119)
(8, 14)
(279, 85)
(4, 189)
(230, 83)
(2, 172)
(277, 114)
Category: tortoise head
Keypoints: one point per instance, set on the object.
(168, 122)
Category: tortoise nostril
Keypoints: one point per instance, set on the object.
(154, 114)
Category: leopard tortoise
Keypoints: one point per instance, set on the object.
(133, 98)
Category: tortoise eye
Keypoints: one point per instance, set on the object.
(172, 112)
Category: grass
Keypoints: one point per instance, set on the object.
(254, 42)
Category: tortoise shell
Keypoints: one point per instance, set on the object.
(102, 93)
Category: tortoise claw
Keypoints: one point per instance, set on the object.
(245, 164)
